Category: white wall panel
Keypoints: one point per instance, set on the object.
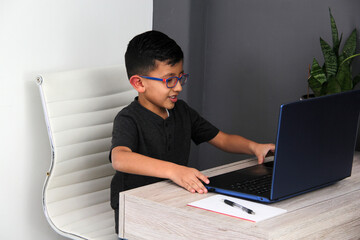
(44, 36)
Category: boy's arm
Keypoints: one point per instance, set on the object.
(124, 160)
(238, 144)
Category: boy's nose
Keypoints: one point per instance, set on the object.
(178, 87)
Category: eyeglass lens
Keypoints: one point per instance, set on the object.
(171, 82)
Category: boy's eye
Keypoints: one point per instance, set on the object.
(171, 81)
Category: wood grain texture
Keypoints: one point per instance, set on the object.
(160, 211)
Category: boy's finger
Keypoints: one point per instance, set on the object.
(190, 188)
(198, 186)
(270, 153)
(206, 180)
(260, 159)
(203, 178)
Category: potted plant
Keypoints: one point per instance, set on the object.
(335, 75)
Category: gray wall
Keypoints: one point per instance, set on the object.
(246, 57)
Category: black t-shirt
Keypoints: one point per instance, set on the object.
(146, 133)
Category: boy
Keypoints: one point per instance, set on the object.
(152, 136)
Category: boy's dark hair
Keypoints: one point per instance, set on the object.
(147, 47)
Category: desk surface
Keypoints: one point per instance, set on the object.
(160, 211)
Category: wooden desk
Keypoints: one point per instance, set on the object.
(159, 211)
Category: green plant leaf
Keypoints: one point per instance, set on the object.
(335, 34)
(356, 80)
(344, 77)
(350, 45)
(330, 58)
(332, 86)
(315, 86)
(317, 72)
(324, 89)
(317, 78)
(351, 57)
(341, 58)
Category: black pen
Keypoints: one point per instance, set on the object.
(233, 204)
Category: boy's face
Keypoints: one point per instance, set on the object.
(156, 95)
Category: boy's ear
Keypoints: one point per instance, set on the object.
(137, 83)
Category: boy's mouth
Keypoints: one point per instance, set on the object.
(173, 98)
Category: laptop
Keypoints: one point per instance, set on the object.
(314, 148)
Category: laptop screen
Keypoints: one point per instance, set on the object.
(315, 143)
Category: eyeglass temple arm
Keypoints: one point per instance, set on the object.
(154, 78)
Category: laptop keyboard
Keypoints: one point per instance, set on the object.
(258, 185)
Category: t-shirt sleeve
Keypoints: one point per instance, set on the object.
(201, 129)
(124, 133)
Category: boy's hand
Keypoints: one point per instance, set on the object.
(262, 150)
(189, 178)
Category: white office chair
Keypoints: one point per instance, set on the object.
(79, 108)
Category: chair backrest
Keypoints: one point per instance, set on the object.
(79, 108)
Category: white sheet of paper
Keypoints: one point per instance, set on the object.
(216, 204)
